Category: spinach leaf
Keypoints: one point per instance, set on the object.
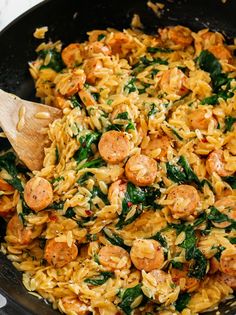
(57, 155)
(182, 172)
(148, 62)
(161, 239)
(8, 162)
(231, 180)
(142, 197)
(115, 239)
(123, 115)
(232, 240)
(130, 86)
(97, 192)
(153, 110)
(100, 279)
(182, 301)
(93, 164)
(202, 218)
(154, 50)
(85, 150)
(76, 101)
(220, 249)
(175, 174)
(177, 264)
(190, 175)
(135, 194)
(176, 133)
(128, 297)
(211, 100)
(144, 62)
(101, 36)
(198, 269)
(82, 222)
(199, 266)
(209, 63)
(151, 194)
(229, 121)
(216, 216)
(70, 213)
(57, 205)
(190, 241)
(84, 178)
(56, 63)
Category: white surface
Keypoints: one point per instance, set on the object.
(10, 9)
(3, 301)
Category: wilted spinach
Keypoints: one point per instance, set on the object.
(100, 279)
(56, 63)
(85, 150)
(128, 297)
(115, 239)
(182, 301)
(8, 162)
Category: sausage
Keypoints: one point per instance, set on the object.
(147, 254)
(114, 146)
(38, 193)
(141, 170)
(18, 234)
(59, 254)
(114, 257)
(185, 200)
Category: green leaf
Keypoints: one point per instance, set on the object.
(130, 86)
(229, 121)
(231, 180)
(182, 173)
(57, 205)
(182, 301)
(232, 240)
(57, 155)
(220, 249)
(199, 267)
(100, 279)
(154, 50)
(153, 110)
(135, 194)
(175, 174)
(84, 178)
(115, 239)
(177, 265)
(75, 101)
(101, 36)
(56, 63)
(97, 192)
(70, 213)
(191, 176)
(85, 150)
(93, 164)
(8, 162)
(211, 100)
(124, 116)
(216, 216)
(128, 297)
(158, 237)
(209, 63)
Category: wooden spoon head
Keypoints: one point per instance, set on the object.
(26, 125)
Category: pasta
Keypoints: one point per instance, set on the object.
(134, 209)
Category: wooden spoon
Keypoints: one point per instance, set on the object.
(25, 124)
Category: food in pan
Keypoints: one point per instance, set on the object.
(134, 209)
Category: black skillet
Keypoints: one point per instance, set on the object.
(69, 20)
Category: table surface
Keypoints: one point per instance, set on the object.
(10, 9)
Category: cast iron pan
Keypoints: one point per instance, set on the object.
(69, 20)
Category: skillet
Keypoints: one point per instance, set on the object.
(69, 20)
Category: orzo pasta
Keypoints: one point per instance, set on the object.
(134, 209)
